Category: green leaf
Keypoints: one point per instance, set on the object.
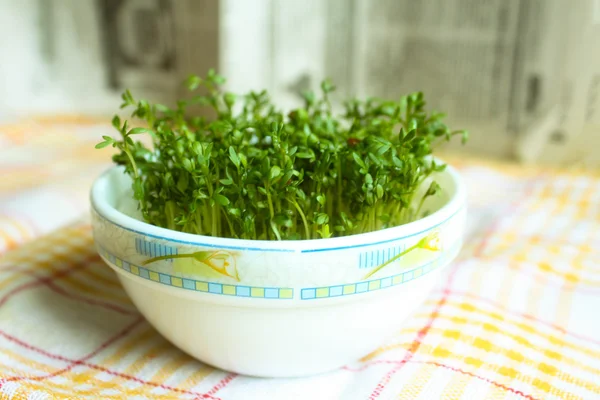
(103, 144)
(397, 162)
(202, 100)
(222, 200)
(229, 99)
(275, 172)
(410, 136)
(327, 86)
(116, 122)
(465, 137)
(439, 168)
(219, 80)
(137, 131)
(359, 161)
(243, 160)
(434, 187)
(375, 159)
(305, 154)
(309, 97)
(183, 182)
(322, 218)
(383, 149)
(283, 220)
(192, 82)
(402, 134)
(162, 108)
(325, 232)
(138, 189)
(127, 99)
(235, 212)
(234, 157)
(188, 164)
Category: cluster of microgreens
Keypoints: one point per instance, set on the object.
(253, 172)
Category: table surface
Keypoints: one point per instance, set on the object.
(515, 316)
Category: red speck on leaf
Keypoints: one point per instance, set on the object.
(353, 142)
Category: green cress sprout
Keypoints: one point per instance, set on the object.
(253, 172)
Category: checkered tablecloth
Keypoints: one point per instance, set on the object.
(516, 316)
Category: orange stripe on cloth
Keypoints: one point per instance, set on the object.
(527, 328)
(534, 320)
(98, 276)
(79, 286)
(128, 345)
(456, 388)
(70, 389)
(506, 374)
(99, 367)
(173, 364)
(70, 366)
(419, 381)
(482, 344)
(439, 364)
(197, 377)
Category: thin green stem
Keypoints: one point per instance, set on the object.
(275, 230)
(131, 159)
(304, 222)
(230, 224)
(199, 228)
(417, 213)
(269, 202)
(214, 214)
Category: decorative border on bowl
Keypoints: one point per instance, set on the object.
(280, 293)
(243, 248)
(374, 258)
(153, 249)
(257, 292)
(324, 292)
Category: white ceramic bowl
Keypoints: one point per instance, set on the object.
(276, 308)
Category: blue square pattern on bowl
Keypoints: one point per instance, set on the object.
(243, 291)
(215, 288)
(362, 287)
(335, 291)
(144, 273)
(165, 279)
(189, 284)
(386, 282)
(271, 293)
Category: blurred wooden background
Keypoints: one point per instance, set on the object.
(522, 75)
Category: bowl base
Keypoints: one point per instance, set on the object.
(279, 342)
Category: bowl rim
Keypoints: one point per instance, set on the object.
(454, 205)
